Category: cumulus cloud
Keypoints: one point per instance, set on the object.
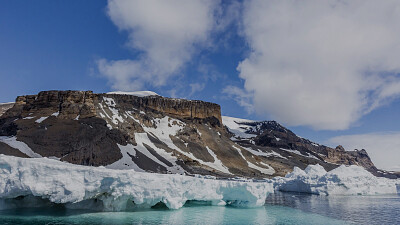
(383, 148)
(322, 64)
(165, 33)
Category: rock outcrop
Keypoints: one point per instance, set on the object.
(5, 106)
(180, 108)
(73, 103)
(92, 129)
(270, 134)
(157, 134)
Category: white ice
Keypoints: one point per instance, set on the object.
(344, 180)
(61, 182)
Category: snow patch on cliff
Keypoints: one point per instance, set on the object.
(299, 153)
(269, 170)
(126, 161)
(167, 127)
(41, 119)
(21, 146)
(239, 130)
(265, 154)
(217, 164)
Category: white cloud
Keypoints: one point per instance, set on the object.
(383, 148)
(196, 87)
(165, 32)
(322, 64)
(241, 97)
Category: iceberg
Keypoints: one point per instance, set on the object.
(117, 190)
(34, 181)
(344, 180)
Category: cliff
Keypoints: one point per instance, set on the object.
(157, 134)
(270, 134)
(5, 106)
(73, 103)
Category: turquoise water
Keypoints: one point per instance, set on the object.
(283, 208)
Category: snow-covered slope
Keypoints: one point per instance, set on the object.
(116, 190)
(238, 126)
(127, 130)
(130, 130)
(21, 146)
(275, 138)
(135, 93)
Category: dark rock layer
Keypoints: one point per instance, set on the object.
(85, 128)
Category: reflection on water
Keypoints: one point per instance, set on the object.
(190, 214)
(281, 208)
(382, 209)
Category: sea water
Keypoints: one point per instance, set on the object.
(280, 208)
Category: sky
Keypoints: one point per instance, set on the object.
(328, 70)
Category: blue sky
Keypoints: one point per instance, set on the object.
(336, 81)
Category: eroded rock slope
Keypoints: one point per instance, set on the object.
(147, 132)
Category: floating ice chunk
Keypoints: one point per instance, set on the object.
(315, 170)
(62, 182)
(344, 180)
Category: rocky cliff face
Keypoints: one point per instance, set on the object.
(5, 106)
(150, 133)
(156, 134)
(271, 135)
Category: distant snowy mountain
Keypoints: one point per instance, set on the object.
(262, 136)
(150, 133)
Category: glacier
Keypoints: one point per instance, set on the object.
(100, 188)
(118, 190)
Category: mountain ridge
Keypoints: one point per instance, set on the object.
(158, 134)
